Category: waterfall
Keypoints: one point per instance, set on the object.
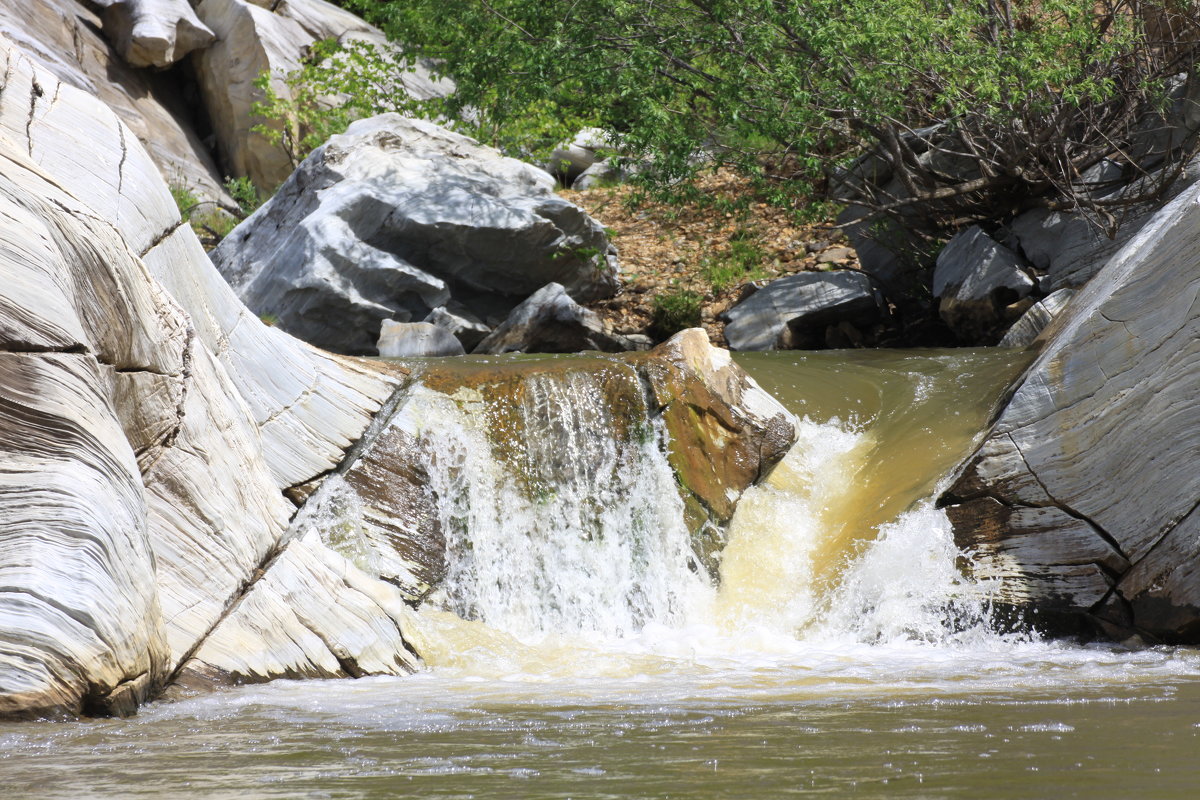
(563, 518)
(577, 528)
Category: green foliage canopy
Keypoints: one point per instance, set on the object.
(1029, 93)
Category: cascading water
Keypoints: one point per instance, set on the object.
(576, 529)
(563, 520)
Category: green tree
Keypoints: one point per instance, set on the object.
(972, 108)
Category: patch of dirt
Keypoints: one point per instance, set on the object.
(712, 248)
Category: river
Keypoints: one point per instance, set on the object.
(844, 653)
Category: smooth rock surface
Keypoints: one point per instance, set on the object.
(312, 614)
(416, 339)
(974, 279)
(549, 321)
(1089, 468)
(398, 217)
(807, 300)
(153, 33)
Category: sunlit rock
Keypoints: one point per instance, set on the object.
(409, 339)
(398, 217)
(64, 37)
(152, 423)
(312, 614)
(549, 321)
(153, 33)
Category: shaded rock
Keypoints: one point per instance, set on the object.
(396, 218)
(1071, 249)
(602, 173)
(1089, 467)
(153, 33)
(549, 321)
(409, 339)
(806, 301)
(462, 323)
(895, 258)
(1027, 329)
(974, 280)
(571, 160)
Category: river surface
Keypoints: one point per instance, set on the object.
(843, 655)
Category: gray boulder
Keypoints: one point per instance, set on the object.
(398, 217)
(1082, 502)
(416, 339)
(807, 300)
(551, 322)
(599, 174)
(974, 280)
(1031, 324)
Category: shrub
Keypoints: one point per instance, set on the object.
(675, 311)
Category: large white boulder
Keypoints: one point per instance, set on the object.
(396, 218)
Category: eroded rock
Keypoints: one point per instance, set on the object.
(153, 422)
(549, 321)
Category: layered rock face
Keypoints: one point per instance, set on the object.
(1082, 500)
(153, 423)
(158, 438)
(66, 39)
(398, 218)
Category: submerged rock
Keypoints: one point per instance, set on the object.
(1082, 500)
(399, 217)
